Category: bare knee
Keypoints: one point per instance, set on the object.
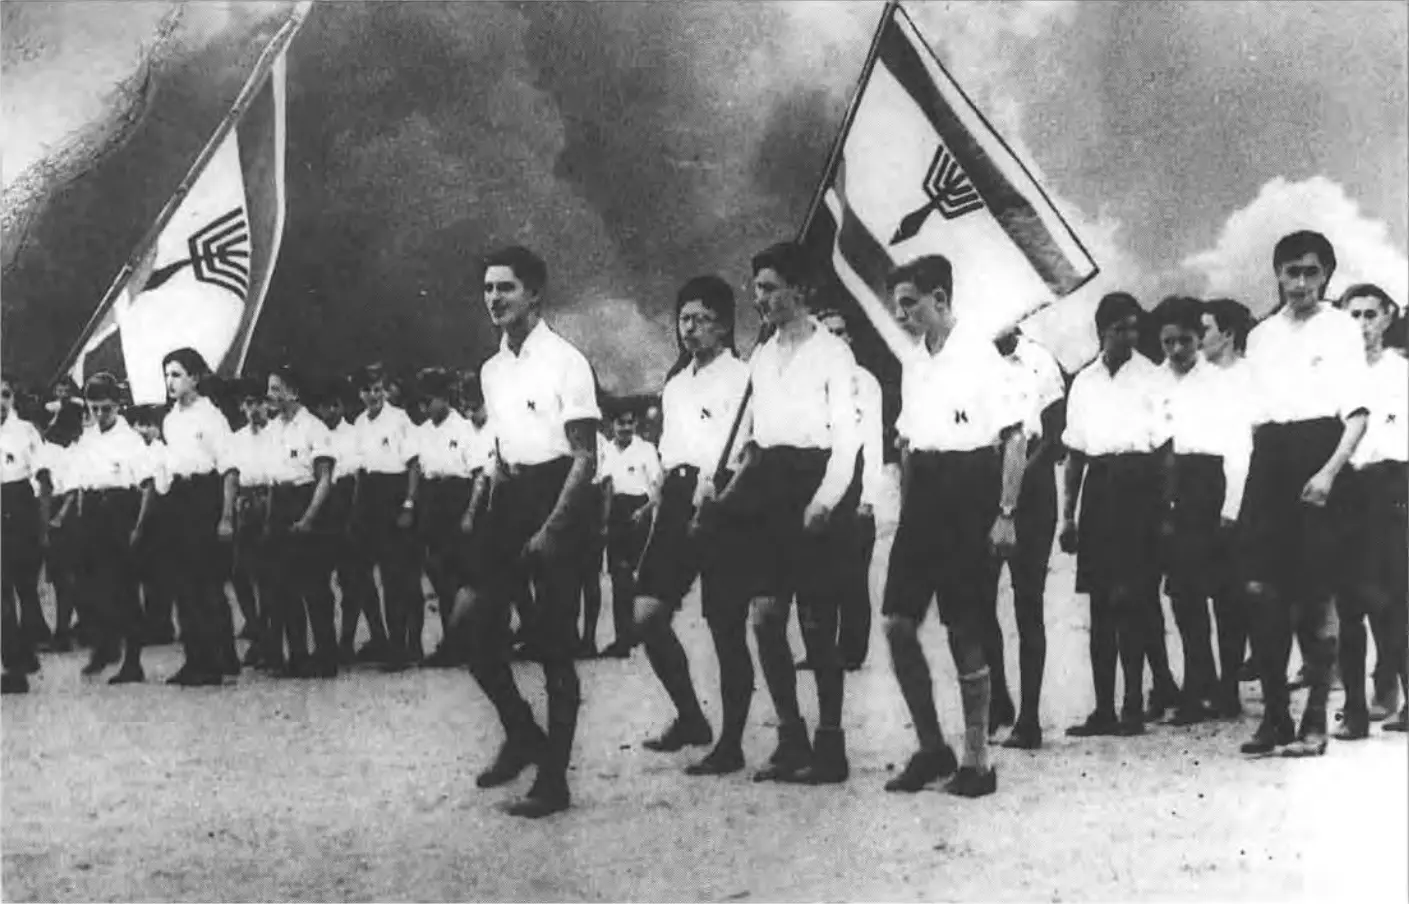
(769, 617)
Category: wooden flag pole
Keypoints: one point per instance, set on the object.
(276, 46)
(829, 170)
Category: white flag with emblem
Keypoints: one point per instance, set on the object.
(922, 172)
(202, 282)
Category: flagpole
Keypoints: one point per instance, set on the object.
(276, 46)
(833, 157)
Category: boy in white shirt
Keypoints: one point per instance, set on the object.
(154, 572)
(25, 522)
(632, 475)
(251, 508)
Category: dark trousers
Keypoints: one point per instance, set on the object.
(625, 540)
(1191, 559)
(1035, 524)
(442, 508)
(200, 568)
(395, 551)
(154, 572)
(108, 573)
(294, 570)
(518, 508)
(251, 524)
(20, 561)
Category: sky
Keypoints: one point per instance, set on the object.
(638, 144)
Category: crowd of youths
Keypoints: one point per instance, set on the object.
(1256, 474)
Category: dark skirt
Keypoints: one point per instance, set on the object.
(1118, 528)
(1283, 541)
(941, 549)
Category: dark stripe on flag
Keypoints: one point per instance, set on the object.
(1007, 204)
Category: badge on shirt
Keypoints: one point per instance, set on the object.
(9, 458)
(386, 442)
(705, 414)
(454, 444)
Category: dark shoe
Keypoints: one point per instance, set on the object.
(128, 675)
(230, 663)
(854, 665)
(543, 799)
(718, 762)
(617, 650)
(515, 755)
(1298, 681)
(792, 755)
(100, 660)
(30, 665)
(1355, 726)
(924, 767)
(526, 652)
(1228, 705)
(195, 678)
(1399, 722)
(829, 765)
(182, 675)
(1000, 713)
(1269, 736)
(1024, 736)
(587, 650)
(1131, 724)
(1384, 704)
(1097, 725)
(61, 643)
(682, 733)
(969, 782)
(1190, 714)
(14, 683)
(372, 651)
(1309, 745)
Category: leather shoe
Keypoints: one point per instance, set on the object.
(1399, 722)
(515, 755)
(1024, 736)
(1268, 738)
(682, 733)
(1355, 726)
(969, 782)
(923, 768)
(1097, 725)
(1306, 746)
(128, 675)
(718, 761)
(543, 799)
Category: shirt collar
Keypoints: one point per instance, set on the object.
(536, 336)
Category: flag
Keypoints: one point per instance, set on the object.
(920, 171)
(202, 281)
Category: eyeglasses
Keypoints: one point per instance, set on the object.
(1365, 314)
(6, 394)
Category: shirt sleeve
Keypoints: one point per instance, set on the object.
(654, 473)
(219, 435)
(841, 413)
(872, 455)
(1355, 391)
(1074, 437)
(321, 443)
(578, 390)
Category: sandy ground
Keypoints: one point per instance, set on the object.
(362, 788)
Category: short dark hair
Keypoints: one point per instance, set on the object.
(102, 387)
(715, 293)
(1292, 246)
(1115, 306)
(1181, 311)
(791, 261)
(435, 383)
(1231, 316)
(527, 266)
(370, 375)
(290, 377)
(928, 273)
(1370, 290)
(146, 415)
(250, 387)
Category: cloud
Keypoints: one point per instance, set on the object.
(623, 344)
(1239, 264)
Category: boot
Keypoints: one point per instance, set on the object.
(792, 755)
(828, 766)
(1355, 725)
(923, 768)
(14, 683)
(548, 795)
(1275, 730)
(517, 753)
(683, 732)
(719, 761)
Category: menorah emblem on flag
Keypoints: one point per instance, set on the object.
(219, 254)
(950, 192)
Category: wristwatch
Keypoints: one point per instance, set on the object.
(408, 505)
(1007, 511)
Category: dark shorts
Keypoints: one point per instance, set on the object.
(1373, 517)
(625, 536)
(1118, 529)
(1193, 562)
(1283, 541)
(941, 548)
(761, 539)
(443, 501)
(670, 560)
(19, 528)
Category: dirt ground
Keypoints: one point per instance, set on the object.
(362, 788)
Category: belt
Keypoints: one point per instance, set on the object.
(516, 470)
(683, 471)
(956, 453)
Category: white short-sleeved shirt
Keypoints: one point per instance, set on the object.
(249, 453)
(1115, 414)
(115, 459)
(21, 449)
(599, 476)
(197, 439)
(959, 399)
(1039, 378)
(55, 459)
(633, 471)
(806, 399)
(294, 447)
(698, 408)
(384, 443)
(866, 390)
(452, 448)
(158, 466)
(1207, 412)
(342, 440)
(1387, 427)
(1303, 370)
(533, 395)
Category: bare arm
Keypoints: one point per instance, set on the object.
(149, 492)
(1075, 471)
(1014, 465)
(582, 439)
(322, 487)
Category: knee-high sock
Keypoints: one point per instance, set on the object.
(668, 660)
(735, 679)
(974, 693)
